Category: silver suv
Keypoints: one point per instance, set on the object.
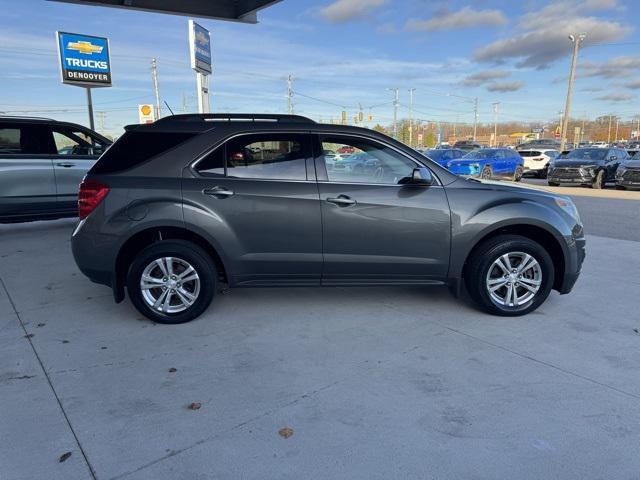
(176, 208)
(42, 162)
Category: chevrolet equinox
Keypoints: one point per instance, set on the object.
(177, 207)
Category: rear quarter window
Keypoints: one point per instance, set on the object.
(135, 148)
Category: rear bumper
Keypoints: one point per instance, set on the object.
(92, 254)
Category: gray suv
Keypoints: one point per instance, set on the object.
(175, 208)
(42, 162)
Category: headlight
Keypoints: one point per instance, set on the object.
(568, 206)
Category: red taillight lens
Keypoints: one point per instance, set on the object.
(89, 197)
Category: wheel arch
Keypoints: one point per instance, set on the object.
(148, 236)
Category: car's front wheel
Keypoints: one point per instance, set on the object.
(172, 281)
(598, 182)
(509, 275)
(486, 173)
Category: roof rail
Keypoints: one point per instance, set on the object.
(25, 117)
(233, 117)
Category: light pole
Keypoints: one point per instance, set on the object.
(395, 111)
(567, 106)
(411, 90)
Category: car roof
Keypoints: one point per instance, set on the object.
(48, 121)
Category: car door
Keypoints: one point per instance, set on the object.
(375, 229)
(27, 183)
(257, 196)
(76, 151)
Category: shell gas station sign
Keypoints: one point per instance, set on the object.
(146, 113)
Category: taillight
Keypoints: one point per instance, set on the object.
(90, 195)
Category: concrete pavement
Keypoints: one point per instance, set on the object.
(374, 382)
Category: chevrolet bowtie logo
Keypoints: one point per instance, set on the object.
(84, 47)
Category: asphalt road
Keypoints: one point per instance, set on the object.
(319, 383)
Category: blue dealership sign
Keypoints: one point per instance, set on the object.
(84, 60)
(200, 47)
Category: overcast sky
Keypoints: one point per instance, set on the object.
(342, 53)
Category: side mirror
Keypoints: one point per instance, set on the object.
(419, 176)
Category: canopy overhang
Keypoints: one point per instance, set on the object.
(244, 11)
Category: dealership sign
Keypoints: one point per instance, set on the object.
(200, 48)
(84, 60)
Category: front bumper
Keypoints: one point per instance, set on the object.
(629, 179)
(464, 170)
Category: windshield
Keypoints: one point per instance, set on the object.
(484, 154)
(587, 154)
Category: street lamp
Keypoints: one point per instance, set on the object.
(567, 106)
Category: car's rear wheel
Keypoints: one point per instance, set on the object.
(598, 182)
(553, 184)
(486, 173)
(517, 175)
(620, 187)
(172, 281)
(509, 275)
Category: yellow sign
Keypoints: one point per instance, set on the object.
(146, 113)
(84, 47)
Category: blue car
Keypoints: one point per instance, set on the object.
(489, 163)
(442, 156)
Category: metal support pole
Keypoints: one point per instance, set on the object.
(203, 93)
(495, 123)
(411, 90)
(289, 95)
(154, 77)
(395, 111)
(90, 109)
(609, 131)
(567, 106)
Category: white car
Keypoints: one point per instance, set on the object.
(536, 162)
(600, 145)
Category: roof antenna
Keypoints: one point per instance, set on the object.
(165, 102)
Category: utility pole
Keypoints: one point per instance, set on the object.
(609, 131)
(289, 96)
(567, 106)
(154, 77)
(617, 123)
(475, 118)
(495, 123)
(581, 131)
(396, 99)
(101, 120)
(411, 90)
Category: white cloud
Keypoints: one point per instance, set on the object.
(464, 18)
(543, 37)
(613, 68)
(617, 97)
(342, 11)
(503, 87)
(481, 78)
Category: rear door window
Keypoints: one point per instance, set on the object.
(269, 156)
(23, 139)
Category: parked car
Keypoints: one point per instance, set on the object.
(489, 163)
(540, 144)
(628, 174)
(42, 162)
(443, 156)
(467, 145)
(600, 144)
(536, 162)
(182, 205)
(586, 166)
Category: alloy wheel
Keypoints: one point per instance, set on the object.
(169, 285)
(513, 279)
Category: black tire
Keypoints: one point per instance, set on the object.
(542, 173)
(517, 175)
(486, 173)
(598, 182)
(553, 184)
(481, 261)
(183, 250)
(620, 187)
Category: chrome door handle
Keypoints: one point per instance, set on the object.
(342, 201)
(65, 164)
(218, 192)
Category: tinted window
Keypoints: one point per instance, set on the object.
(268, 156)
(482, 154)
(435, 154)
(134, 148)
(70, 141)
(212, 164)
(371, 162)
(23, 139)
